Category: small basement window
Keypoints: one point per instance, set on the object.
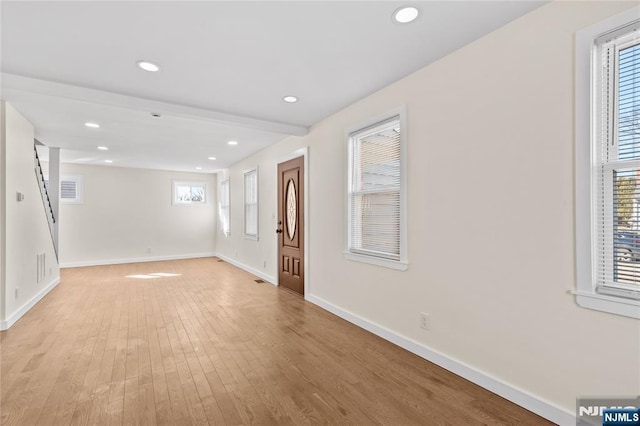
(189, 192)
(71, 189)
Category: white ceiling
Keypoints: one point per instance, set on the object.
(225, 67)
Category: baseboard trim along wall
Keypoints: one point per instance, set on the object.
(262, 275)
(135, 260)
(499, 387)
(4, 325)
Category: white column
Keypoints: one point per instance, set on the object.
(54, 189)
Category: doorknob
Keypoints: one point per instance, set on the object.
(278, 231)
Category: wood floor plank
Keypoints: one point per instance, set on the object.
(210, 346)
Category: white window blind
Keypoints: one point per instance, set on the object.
(251, 203)
(617, 175)
(71, 189)
(224, 207)
(68, 189)
(374, 190)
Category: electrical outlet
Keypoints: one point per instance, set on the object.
(264, 264)
(424, 321)
(16, 293)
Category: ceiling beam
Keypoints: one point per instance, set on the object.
(84, 94)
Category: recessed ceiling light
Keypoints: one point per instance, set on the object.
(211, 158)
(148, 66)
(92, 125)
(232, 143)
(108, 161)
(290, 99)
(198, 168)
(103, 148)
(156, 114)
(405, 14)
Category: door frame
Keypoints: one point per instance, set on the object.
(302, 152)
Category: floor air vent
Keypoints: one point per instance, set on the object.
(259, 281)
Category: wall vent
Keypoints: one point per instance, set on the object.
(40, 267)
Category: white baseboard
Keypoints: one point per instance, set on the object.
(524, 399)
(4, 325)
(134, 260)
(267, 278)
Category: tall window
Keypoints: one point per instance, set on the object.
(223, 207)
(614, 174)
(251, 204)
(375, 194)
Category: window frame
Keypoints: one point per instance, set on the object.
(402, 264)
(177, 183)
(587, 121)
(225, 202)
(247, 174)
(79, 181)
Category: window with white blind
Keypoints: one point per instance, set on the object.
(608, 166)
(376, 194)
(251, 204)
(223, 207)
(71, 189)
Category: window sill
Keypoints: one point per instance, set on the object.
(386, 263)
(613, 305)
(194, 203)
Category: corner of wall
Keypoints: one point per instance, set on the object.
(3, 180)
(27, 239)
(151, 228)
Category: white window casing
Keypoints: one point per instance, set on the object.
(189, 193)
(376, 192)
(608, 165)
(223, 207)
(251, 204)
(71, 189)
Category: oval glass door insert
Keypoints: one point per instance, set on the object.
(292, 213)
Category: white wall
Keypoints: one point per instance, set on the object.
(3, 227)
(258, 255)
(127, 211)
(490, 219)
(25, 228)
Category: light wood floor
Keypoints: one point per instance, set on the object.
(212, 346)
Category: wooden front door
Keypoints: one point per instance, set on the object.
(291, 224)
